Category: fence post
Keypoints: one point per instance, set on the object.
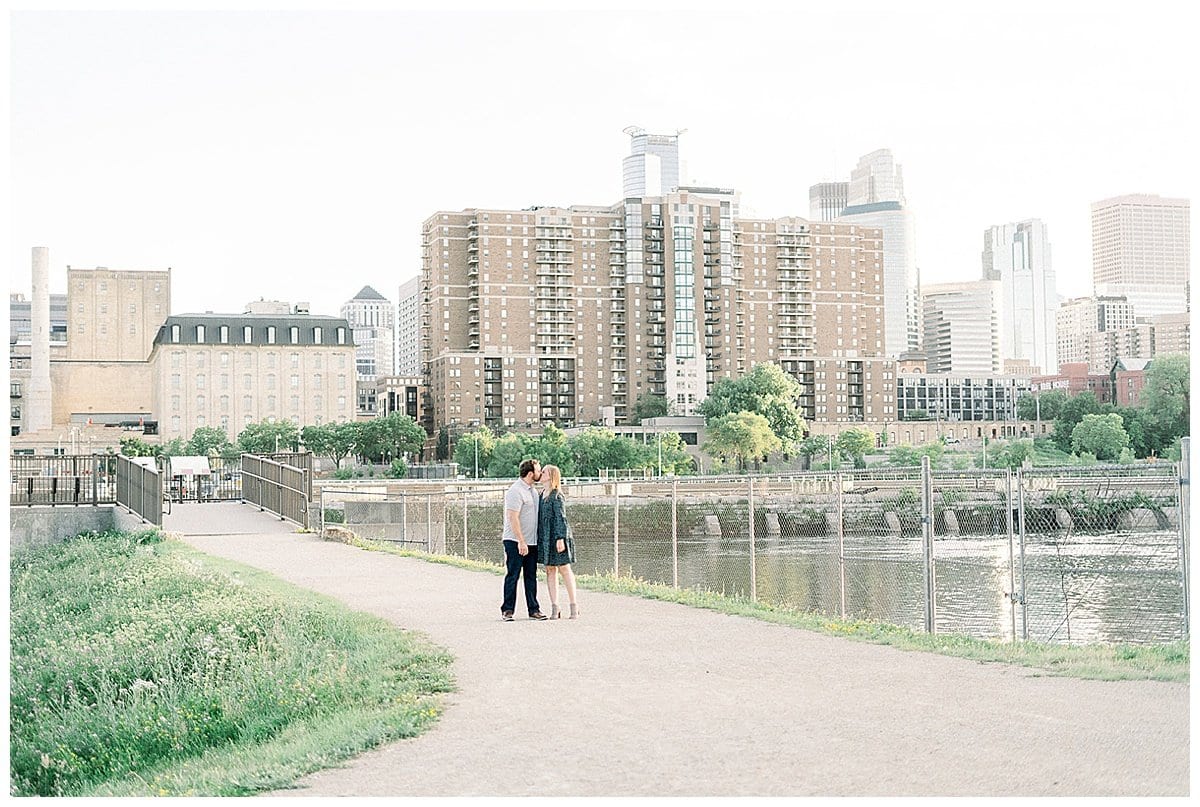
(1021, 533)
(1185, 492)
(753, 563)
(841, 534)
(616, 528)
(428, 523)
(1012, 572)
(464, 521)
(95, 479)
(675, 533)
(927, 535)
(403, 517)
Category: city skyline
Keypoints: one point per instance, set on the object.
(281, 153)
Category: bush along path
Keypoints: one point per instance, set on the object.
(141, 667)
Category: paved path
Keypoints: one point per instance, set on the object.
(648, 698)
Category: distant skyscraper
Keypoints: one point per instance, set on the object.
(408, 328)
(1017, 256)
(1141, 248)
(875, 198)
(372, 319)
(827, 200)
(962, 327)
(652, 167)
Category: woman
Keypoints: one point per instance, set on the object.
(556, 546)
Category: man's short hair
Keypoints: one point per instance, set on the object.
(527, 467)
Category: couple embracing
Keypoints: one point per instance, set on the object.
(536, 531)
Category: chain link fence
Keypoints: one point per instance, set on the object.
(1061, 555)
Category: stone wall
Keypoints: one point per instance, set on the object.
(39, 526)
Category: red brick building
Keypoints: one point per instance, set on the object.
(1074, 378)
(1128, 378)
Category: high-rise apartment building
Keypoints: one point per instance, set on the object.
(652, 167)
(570, 315)
(408, 328)
(1141, 249)
(1017, 256)
(827, 200)
(372, 319)
(875, 198)
(962, 327)
(1080, 323)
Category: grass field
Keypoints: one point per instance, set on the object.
(141, 667)
(1166, 662)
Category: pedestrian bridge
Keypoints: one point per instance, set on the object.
(223, 518)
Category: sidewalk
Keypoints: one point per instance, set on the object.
(644, 698)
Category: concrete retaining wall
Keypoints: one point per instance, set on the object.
(40, 526)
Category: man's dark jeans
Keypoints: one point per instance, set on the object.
(516, 565)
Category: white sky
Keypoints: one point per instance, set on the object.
(294, 155)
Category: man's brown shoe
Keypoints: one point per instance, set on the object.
(538, 615)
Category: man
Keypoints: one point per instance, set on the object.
(520, 540)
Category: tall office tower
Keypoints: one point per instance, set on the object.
(408, 328)
(115, 315)
(1017, 256)
(372, 319)
(1080, 319)
(962, 327)
(875, 198)
(652, 167)
(827, 200)
(570, 315)
(1141, 249)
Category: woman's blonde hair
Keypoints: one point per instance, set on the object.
(552, 479)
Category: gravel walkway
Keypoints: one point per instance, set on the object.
(644, 698)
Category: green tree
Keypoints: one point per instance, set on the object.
(333, 440)
(1165, 402)
(552, 449)
(400, 435)
(649, 406)
(1048, 404)
(265, 437)
(673, 452)
(1012, 454)
(137, 447)
(1101, 435)
(509, 451)
(767, 391)
(911, 456)
(855, 443)
(209, 441)
(475, 447)
(595, 449)
(1073, 411)
(741, 435)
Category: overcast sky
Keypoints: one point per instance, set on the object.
(293, 155)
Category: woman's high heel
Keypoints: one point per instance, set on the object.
(555, 613)
(574, 611)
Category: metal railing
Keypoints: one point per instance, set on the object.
(139, 489)
(1061, 555)
(74, 480)
(279, 487)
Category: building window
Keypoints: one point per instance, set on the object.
(247, 381)
(200, 401)
(294, 335)
(270, 334)
(295, 381)
(341, 336)
(174, 332)
(15, 389)
(175, 381)
(295, 402)
(200, 334)
(246, 403)
(247, 332)
(224, 403)
(270, 403)
(224, 334)
(224, 359)
(270, 381)
(316, 336)
(295, 357)
(199, 381)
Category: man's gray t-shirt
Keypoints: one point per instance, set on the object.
(525, 500)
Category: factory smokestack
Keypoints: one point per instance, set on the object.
(40, 402)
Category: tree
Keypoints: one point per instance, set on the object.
(137, 447)
(1013, 454)
(741, 435)
(1073, 411)
(266, 437)
(670, 447)
(767, 391)
(507, 455)
(911, 456)
(855, 443)
(552, 449)
(1165, 402)
(475, 447)
(649, 406)
(400, 435)
(208, 441)
(333, 440)
(1046, 404)
(1101, 435)
(596, 449)
(816, 446)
